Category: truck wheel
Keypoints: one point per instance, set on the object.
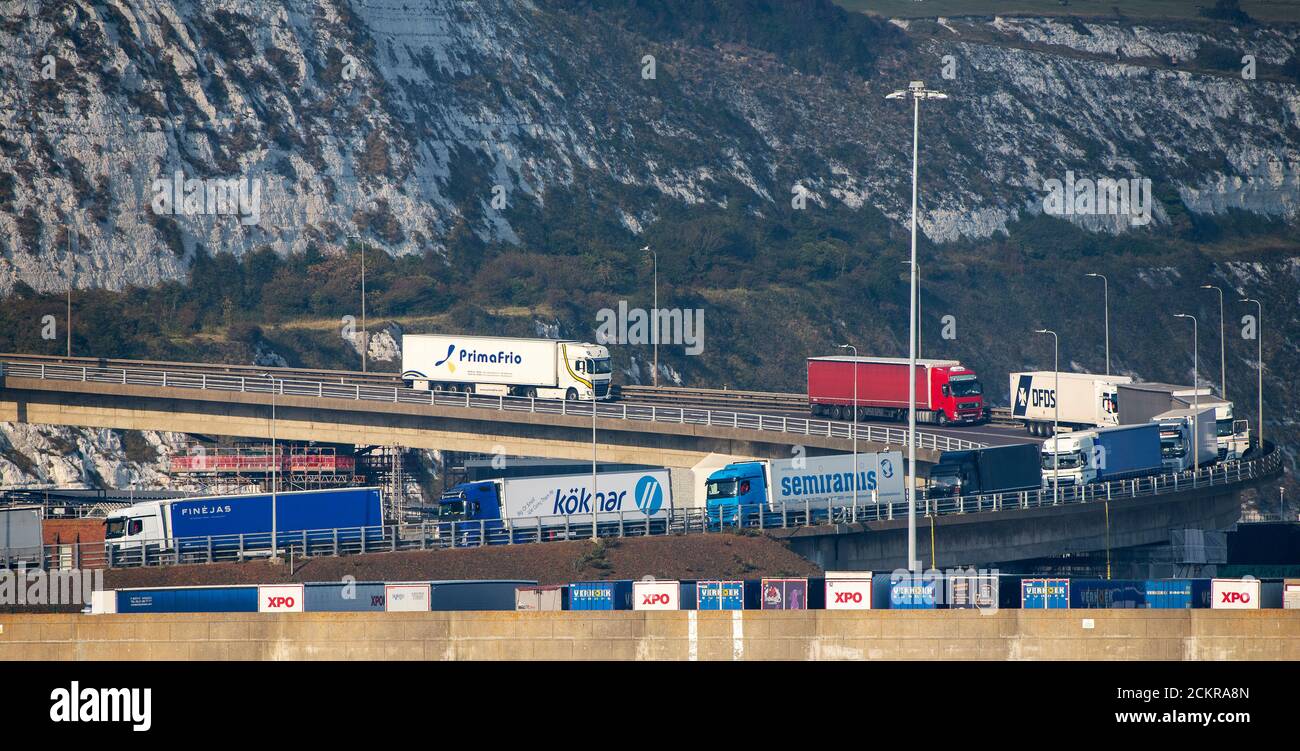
(571, 395)
(531, 392)
(942, 419)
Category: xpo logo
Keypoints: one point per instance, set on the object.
(848, 593)
(1234, 597)
(279, 603)
(656, 599)
(848, 597)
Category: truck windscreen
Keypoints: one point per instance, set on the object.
(599, 367)
(721, 489)
(1066, 460)
(966, 387)
(114, 528)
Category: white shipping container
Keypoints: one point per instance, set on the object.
(637, 495)
(280, 598)
(823, 480)
(656, 595)
(406, 598)
(848, 591)
(531, 599)
(1086, 399)
(1234, 594)
(1291, 594)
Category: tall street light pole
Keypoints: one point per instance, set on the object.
(1056, 416)
(855, 423)
(1196, 396)
(1259, 368)
(917, 91)
(654, 316)
(365, 339)
(1223, 361)
(275, 471)
(1105, 291)
(594, 520)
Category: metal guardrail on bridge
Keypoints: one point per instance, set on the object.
(434, 535)
(400, 395)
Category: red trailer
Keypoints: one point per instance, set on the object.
(946, 392)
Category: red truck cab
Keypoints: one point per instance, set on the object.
(946, 391)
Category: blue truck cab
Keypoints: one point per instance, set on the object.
(736, 492)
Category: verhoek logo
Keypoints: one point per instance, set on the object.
(76, 704)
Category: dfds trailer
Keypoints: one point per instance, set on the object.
(501, 366)
(946, 391)
(1085, 401)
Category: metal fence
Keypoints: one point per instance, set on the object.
(431, 535)
(399, 395)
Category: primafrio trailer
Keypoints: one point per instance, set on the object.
(502, 366)
(1086, 400)
(946, 391)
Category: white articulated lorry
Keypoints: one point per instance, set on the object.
(1086, 400)
(1140, 402)
(502, 366)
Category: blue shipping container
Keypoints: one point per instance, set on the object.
(612, 595)
(1168, 593)
(720, 595)
(914, 592)
(331, 597)
(1107, 593)
(1040, 594)
(188, 600)
(295, 512)
(1128, 451)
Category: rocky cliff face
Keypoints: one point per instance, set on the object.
(404, 123)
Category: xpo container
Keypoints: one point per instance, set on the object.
(848, 590)
(337, 597)
(280, 598)
(946, 391)
(611, 595)
(720, 595)
(784, 594)
(1085, 401)
(1234, 594)
(656, 595)
(501, 366)
(552, 597)
(1045, 594)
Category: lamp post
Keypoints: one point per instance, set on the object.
(594, 520)
(1223, 361)
(1196, 396)
(1056, 415)
(1259, 367)
(917, 91)
(919, 331)
(654, 316)
(275, 470)
(365, 338)
(855, 423)
(1105, 291)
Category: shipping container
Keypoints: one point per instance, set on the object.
(848, 590)
(720, 595)
(946, 391)
(600, 595)
(188, 600)
(1044, 594)
(343, 597)
(784, 594)
(972, 591)
(657, 595)
(1167, 594)
(1235, 594)
(541, 598)
(20, 536)
(1107, 593)
(915, 591)
(1291, 594)
(476, 594)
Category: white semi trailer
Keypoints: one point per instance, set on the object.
(543, 368)
(1085, 400)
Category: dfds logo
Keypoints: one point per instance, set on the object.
(649, 495)
(1022, 395)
